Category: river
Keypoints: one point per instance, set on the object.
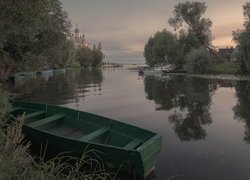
(204, 123)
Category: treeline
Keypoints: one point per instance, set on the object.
(34, 35)
(190, 46)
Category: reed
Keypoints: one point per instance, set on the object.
(16, 161)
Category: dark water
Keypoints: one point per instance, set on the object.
(205, 123)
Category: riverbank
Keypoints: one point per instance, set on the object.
(192, 114)
(17, 161)
(217, 76)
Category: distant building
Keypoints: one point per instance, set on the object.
(227, 53)
(78, 38)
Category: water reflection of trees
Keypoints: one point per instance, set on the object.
(242, 110)
(61, 88)
(190, 98)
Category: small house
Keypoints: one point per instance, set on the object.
(227, 53)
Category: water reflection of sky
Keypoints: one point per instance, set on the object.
(205, 123)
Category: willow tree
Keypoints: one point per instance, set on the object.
(188, 17)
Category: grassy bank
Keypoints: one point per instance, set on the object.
(16, 162)
(224, 68)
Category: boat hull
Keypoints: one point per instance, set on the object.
(129, 149)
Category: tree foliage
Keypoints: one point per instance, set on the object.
(97, 56)
(84, 56)
(194, 32)
(188, 41)
(88, 57)
(32, 33)
(242, 38)
(198, 61)
(191, 14)
(163, 43)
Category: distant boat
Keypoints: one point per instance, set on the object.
(125, 147)
(165, 69)
(158, 70)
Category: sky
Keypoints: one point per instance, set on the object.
(124, 26)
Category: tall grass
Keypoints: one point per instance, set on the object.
(64, 166)
(16, 161)
(14, 156)
(224, 68)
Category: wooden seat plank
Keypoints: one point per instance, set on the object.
(34, 114)
(46, 120)
(133, 144)
(94, 134)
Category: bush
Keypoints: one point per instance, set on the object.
(198, 61)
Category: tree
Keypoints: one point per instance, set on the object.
(199, 28)
(90, 57)
(242, 39)
(198, 61)
(29, 32)
(97, 55)
(148, 52)
(163, 44)
(188, 41)
(84, 56)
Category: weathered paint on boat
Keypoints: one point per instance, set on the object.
(122, 146)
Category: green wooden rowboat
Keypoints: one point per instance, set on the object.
(123, 146)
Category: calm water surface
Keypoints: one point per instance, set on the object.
(204, 123)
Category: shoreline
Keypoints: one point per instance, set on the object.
(217, 76)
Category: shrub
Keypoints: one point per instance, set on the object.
(198, 61)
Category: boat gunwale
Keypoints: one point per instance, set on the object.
(138, 149)
(154, 136)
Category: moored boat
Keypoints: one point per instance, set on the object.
(158, 70)
(125, 147)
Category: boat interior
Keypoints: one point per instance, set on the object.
(81, 126)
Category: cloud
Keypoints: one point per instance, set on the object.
(127, 40)
(222, 32)
(124, 27)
